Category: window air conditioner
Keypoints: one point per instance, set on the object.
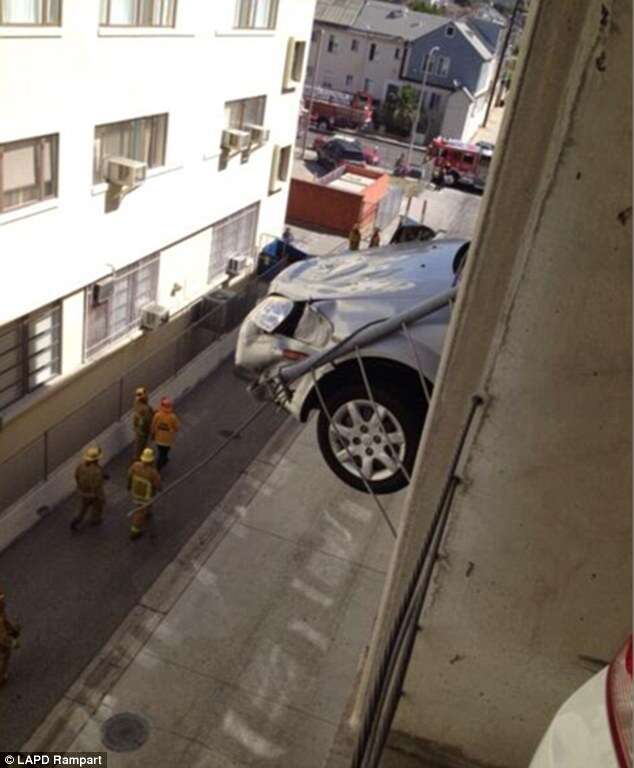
(259, 134)
(124, 172)
(152, 316)
(236, 265)
(102, 291)
(235, 141)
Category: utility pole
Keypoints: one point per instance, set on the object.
(312, 91)
(428, 62)
(501, 61)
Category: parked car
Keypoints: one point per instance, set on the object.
(314, 305)
(371, 154)
(335, 152)
(593, 729)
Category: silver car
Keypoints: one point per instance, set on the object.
(370, 442)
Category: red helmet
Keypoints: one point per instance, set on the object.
(166, 404)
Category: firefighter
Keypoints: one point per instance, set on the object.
(9, 633)
(165, 425)
(90, 477)
(354, 239)
(143, 482)
(375, 240)
(142, 416)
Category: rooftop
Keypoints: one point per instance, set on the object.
(340, 12)
(397, 21)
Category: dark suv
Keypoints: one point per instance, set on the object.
(337, 152)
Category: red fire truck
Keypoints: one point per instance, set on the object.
(454, 162)
(333, 109)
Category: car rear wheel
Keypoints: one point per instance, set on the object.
(323, 125)
(371, 441)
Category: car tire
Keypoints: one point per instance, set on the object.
(402, 417)
(451, 179)
(323, 125)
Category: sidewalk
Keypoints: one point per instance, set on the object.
(492, 129)
(245, 650)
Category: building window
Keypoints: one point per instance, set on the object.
(30, 353)
(143, 139)
(354, 45)
(442, 66)
(427, 64)
(244, 112)
(39, 13)
(114, 317)
(314, 36)
(256, 14)
(310, 71)
(28, 172)
(138, 13)
(434, 101)
(232, 238)
(367, 87)
(397, 53)
(298, 52)
(372, 53)
(450, 31)
(326, 84)
(333, 45)
(349, 81)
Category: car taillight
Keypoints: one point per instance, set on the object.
(619, 701)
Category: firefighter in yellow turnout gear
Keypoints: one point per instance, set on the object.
(143, 482)
(9, 633)
(142, 416)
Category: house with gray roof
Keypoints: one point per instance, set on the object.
(379, 48)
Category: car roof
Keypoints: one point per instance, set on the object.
(403, 272)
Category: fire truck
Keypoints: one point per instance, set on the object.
(454, 162)
(333, 109)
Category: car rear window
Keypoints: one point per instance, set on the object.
(351, 153)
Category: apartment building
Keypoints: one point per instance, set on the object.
(143, 144)
(379, 48)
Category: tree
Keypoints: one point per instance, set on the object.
(424, 6)
(399, 110)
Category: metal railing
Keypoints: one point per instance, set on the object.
(387, 686)
(34, 463)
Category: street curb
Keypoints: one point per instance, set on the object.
(68, 717)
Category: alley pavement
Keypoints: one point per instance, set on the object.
(70, 592)
(246, 650)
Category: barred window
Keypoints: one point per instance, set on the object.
(28, 172)
(244, 111)
(232, 237)
(138, 13)
(256, 14)
(108, 320)
(30, 353)
(141, 139)
(39, 13)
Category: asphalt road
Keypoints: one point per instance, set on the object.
(70, 592)
(389, 153)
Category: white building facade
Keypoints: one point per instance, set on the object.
(156, 81)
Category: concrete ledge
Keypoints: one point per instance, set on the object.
(28, 510)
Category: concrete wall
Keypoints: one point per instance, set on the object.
(535, 575)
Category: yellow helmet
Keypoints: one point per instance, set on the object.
(147, 457)
(141, 392)
(92, 454)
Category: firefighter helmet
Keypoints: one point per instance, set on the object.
(92, 454)
(147, 457)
